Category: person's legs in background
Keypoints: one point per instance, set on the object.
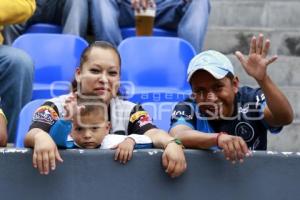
(107, 16)
(72, 15)
(189, 19)
(16, 75)
(193, 25)
(75, 17)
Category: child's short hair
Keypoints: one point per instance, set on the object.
(93, 106)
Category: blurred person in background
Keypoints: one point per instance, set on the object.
(71, 15)
(16, 70)
(189, 18)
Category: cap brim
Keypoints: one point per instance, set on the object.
(216, 73)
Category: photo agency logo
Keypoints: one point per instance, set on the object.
(58, 88)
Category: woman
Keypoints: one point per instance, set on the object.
(99, 76)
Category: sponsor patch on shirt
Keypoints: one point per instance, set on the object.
(141, 118)
(145, 119)
(45, 114)
(137, 115)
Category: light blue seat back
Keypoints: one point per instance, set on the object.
(55, 57)
(44, 28)
(130, 32)
(154, 64)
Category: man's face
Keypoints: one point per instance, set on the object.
(89, 131)
(215, 97)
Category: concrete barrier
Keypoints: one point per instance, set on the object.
(92, 174)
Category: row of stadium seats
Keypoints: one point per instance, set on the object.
(150, 65)
(125, 32)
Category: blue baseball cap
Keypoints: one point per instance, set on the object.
(214, 62)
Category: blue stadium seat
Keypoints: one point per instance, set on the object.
(154, 68)
(160, 112)
(44, 28)
(55, 57)
(130, 32)
(24, 122)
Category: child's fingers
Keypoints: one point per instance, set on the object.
(121, 156)
(125, 157)
(130, 155)
(117, 154)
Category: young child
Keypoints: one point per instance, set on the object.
(87, 127)
(222, 114)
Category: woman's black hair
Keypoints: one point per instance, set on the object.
(85, 55)
(99, 44)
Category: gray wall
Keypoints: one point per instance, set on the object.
(92, 174)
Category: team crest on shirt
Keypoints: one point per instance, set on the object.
(141, 117)
(244, 130)
(45, 114)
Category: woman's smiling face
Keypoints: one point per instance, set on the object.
(99, 75)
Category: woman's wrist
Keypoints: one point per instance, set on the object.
(176, 141)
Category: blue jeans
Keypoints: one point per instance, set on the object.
(16, 74)
(189, 20)
(72, 15)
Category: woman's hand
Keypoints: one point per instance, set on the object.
(45, 153)
(174, 160)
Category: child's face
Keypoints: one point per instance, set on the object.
(215, 97)
(89, 131)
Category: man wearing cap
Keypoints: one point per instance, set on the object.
(237, 119)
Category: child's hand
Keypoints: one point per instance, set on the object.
(257, 62)
(45, 153)
(174, 160)
(124, 150)
(71, 107)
